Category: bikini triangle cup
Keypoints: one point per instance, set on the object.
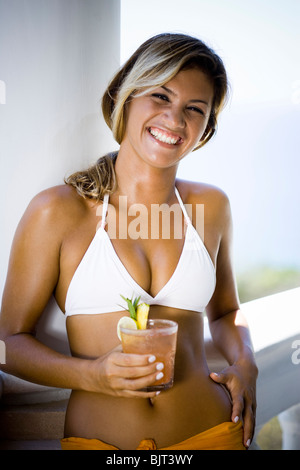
(101, 276)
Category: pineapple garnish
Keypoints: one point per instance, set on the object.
(138, 312)
(142, 312)
(138, 316)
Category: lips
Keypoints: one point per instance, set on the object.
(164, 136)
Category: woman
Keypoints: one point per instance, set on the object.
(161, 105)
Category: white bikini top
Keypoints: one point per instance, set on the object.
(101, 278)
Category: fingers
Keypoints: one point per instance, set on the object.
(237, 407)
(135, 385)
(243, 403)
(123, 360)
(218, 377)
(249, 421)
(243, 410)
(136, 365)
(126, 374)
(152, 373)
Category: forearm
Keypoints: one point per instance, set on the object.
(31, 360)
(230, 333)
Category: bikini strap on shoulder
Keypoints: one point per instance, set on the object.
(104, 209)
(186, 216)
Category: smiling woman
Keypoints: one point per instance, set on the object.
(161, 105)
(154, 64)
(167, 118)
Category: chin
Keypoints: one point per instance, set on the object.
(162, 163)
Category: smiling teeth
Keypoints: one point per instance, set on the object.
(163, 138)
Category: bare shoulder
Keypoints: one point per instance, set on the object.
(203, 193)
(55, 207)
(55, 198)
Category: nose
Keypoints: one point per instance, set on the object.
(174, 118)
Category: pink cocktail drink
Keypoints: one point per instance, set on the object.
(159, 339)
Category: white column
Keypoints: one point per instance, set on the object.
(56, 57)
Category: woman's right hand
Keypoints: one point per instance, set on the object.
(124, 375)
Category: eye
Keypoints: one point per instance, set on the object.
(197, 110)
(160, 96)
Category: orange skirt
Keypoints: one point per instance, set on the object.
(225, 436)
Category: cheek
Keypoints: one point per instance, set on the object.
(135, 115)
(200, 130)
(205, 125)
(131, 123)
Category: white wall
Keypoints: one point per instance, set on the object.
(56, 57)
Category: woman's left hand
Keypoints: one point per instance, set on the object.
(240, 380)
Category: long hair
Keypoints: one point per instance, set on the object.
(153, 64)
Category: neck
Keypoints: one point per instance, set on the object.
(144, 183)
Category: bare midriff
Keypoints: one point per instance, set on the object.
(194, 403)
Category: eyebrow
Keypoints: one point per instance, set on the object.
(174, 94)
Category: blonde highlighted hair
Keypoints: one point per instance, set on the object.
(153, 64)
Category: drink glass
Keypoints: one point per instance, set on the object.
(159, 339)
